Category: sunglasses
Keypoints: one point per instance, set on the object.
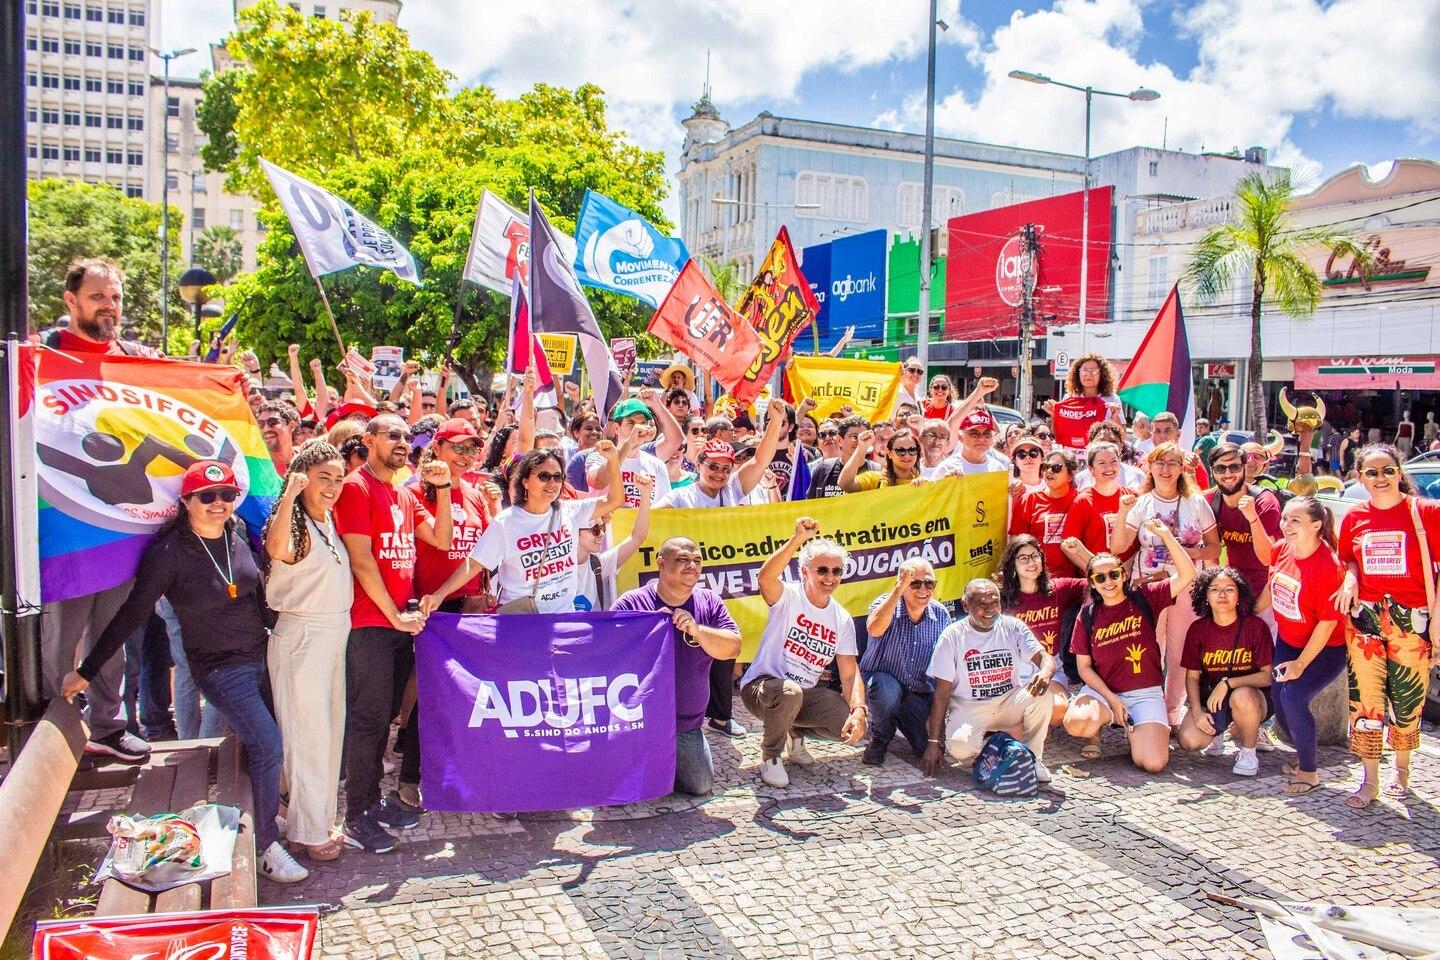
(714, 466)
(1028, 453)
(1112, 575)
(905, 451)
(548, 476)
(829, 435)
(1223, 468)
(914, 370)
(394, 436)
(1372, 473)
(938, 387)
(1046, 435)
(1053, 467)
(207, 497)
(828, 571)
(271, 422)
(697, 431)
(597, 530)
(464, 449)
(922, 584)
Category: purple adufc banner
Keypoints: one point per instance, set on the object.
(545, 711)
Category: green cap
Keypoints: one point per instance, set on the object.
(627, 407)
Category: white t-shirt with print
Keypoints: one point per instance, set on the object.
(691, 496)
(956, 463)
(1189, 519)
(1130, 476)
(640, 463)
(801, 639)
(984, 664)
(587, 592)
(522, 546)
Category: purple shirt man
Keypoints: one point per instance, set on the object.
(704, 632)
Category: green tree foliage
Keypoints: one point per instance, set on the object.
(69, 219)
(351, 107)
(220, 250)
(1262, 237)
(215, 117)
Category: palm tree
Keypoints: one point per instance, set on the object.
(220, 250)
(1261, 237)
(726, 278)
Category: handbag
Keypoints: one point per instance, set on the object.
(527, 604)
(1427, 570)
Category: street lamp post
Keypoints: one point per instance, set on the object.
(193, 283)
(727, 202)
(165, 204)
(1139, 94)
(927, 202)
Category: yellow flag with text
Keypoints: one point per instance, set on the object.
(958, 524)
(867, 386)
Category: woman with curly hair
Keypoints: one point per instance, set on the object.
(1305, 573)
(1045, 604)
(1227, 668)
(308, 584)
(902, 462)
(1089, 398)
(1388, 546)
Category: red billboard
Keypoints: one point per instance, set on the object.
(985, 271)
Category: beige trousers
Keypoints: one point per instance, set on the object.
(967, 722)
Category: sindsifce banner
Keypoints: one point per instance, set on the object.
(958, 524)
(545, 711)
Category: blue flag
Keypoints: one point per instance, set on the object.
(617, 249)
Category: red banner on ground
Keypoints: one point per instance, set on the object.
(697, 321)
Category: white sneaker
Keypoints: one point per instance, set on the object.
(772, 771)
(1246, 763)
(1216, 747)
(797, 753)
(1042, 774)
(1264, 742)
(278, 865)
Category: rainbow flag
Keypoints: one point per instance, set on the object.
(113, 434)
(1159, 377)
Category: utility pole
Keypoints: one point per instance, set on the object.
(1025, 387)
(922, 316)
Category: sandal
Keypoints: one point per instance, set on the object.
(1091, 749)
(1399, 786)
(1298, 787)
(325, 852)
(1290, 768)
(1362, 797)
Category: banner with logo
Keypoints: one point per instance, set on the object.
(500, 245)
(332, 234)
(869, 387)
(957, 523)
(697, 321)
(848, 275)
(545, 711)
(619, 250)
(113, 434)
(778, 304)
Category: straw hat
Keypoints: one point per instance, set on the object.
(670, 371)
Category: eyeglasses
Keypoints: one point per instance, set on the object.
(272, 422)
(1028, 453)
(1168, 464)
(1029, 558)
(1371, 473)
(1053, 467)
(828, 571)
(905, 451)
(548, 476)
(914, 370)
(829, 434)
(464, 449)
(979, 434)
(428, 405)
(922, 584)
(208, 497)
(1257, 456)
(937, 387)
(395, 436)
(1223, 468)
(1099, 578)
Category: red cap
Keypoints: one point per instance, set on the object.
(717, 450)
(978, 419)
(206, 475)
(456, 429)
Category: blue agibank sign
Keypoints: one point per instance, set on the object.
(848, 277)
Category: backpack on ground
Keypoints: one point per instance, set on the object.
(1005, 767)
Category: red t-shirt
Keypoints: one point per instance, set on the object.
(1123, 646)
(1239, 542)
(1043, 517)
(1072, 418)
(71, 343)
(433, 566)
(386, 514)
(1300, 592)
(1381, 543)
(937, 413)
(1041, 612)
(1092, 518)
(1234, 651)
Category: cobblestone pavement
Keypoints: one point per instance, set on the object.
(854, 861)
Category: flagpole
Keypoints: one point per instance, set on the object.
(334, 327)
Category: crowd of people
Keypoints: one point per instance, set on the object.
(1163, 590)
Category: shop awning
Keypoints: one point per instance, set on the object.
(1368, 373)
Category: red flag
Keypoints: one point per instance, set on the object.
(697, 321)
(778, 305)
(523, 342)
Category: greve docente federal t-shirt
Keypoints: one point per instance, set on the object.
(525, 548)
(801, 639)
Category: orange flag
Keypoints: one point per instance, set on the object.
(697, 321)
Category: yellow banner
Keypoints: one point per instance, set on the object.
(869, 387)
(559, 352)
(958, 524)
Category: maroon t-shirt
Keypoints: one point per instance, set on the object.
(1041, 612)
(1123, 647)
(1239, 542)
(1234, 651)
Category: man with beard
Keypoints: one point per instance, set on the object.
(278, 421)
(1248, 517)
(95, 296)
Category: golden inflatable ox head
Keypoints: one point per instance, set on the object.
(1308, 418)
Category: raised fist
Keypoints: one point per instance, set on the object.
(435, 473)
(987, 385)
(1127, 500)
(806, 528)
(294, 483)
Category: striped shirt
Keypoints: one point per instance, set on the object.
(904, 650)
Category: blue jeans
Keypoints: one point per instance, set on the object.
(242, 695)
(191, 719)
(694, 770)
(1292, 698)
(891, 706)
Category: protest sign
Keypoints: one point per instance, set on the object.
(623, 350)
(957, 523)
(387, 361)
(869, 387)
(566, 711)
(113, 435)
(559, 352)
